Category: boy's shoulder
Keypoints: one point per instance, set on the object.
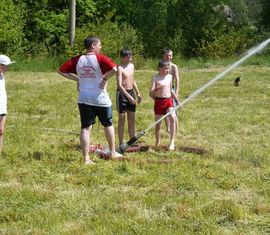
(168, 76)
(129, 65)
(174, 66)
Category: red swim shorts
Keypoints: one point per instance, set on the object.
(162, 105)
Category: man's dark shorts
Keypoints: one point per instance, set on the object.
(88, 115)
(122, 103)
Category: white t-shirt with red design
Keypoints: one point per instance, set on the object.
(90, 77)
(90, 69)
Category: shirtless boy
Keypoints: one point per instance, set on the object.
(167, 55)
(161, 91)
(126, 93)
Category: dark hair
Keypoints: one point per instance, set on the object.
(125, 52)
(165, 50)
(88, 42)
(162, 64)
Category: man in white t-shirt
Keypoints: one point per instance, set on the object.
(92, 71)
(4, 62)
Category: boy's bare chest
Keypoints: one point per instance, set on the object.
(166, 81)
(128, 71)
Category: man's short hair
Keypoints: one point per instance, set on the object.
(88, 42)
(125, 52)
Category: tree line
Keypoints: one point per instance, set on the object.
(191, 28)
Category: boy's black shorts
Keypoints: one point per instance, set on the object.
(122, 103)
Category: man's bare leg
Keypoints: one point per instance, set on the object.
(85, 144)
(110, 136)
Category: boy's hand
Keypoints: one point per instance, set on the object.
(177, 101)
(159, 87)
(132, 100)
(139, 98)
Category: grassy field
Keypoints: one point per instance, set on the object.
(46, 189)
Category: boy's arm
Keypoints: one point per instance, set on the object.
(137, 91)
(119, 75)
(174, 96)
(152, 89)
(177, 80)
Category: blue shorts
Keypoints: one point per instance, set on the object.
(88, 115)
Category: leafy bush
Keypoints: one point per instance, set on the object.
(225, 42)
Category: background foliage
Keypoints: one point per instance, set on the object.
(190, 27)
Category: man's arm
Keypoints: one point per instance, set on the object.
(69, 76)
(68, 69)
(109, 74)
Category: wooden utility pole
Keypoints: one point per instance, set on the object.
(72, 20)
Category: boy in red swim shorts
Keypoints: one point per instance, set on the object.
(161, 91)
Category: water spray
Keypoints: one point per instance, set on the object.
(123, 147)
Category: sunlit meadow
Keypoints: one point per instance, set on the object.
(46, 189)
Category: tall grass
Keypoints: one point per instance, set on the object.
(37, 64)
(46, 189)
(196, 63)
(51, 64)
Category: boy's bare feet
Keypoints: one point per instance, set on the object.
(171, 147)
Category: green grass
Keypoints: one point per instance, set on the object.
(46, 189)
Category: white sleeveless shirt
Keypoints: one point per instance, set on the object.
(3, 95)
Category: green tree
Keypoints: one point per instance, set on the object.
(265, 14)
(11, 28)
(114, 36)
(46, 25)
